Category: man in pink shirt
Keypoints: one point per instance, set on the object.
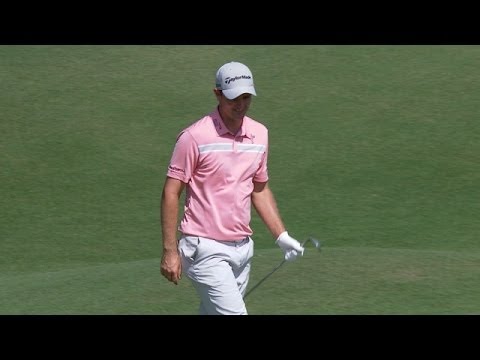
(221, 161)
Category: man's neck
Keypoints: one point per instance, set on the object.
(232, 125)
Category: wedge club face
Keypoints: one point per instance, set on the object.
(315, 242)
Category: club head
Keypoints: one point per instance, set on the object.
(314, 241)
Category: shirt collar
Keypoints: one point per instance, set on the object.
(222, 129)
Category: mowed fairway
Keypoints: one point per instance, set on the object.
(374, 150)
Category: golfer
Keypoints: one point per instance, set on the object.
(221, 161)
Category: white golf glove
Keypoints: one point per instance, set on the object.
(291, 247)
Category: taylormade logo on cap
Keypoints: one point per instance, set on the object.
(229, 80)
(235, 79)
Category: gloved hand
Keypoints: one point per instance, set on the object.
(291, 247)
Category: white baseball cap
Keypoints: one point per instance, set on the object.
(235, 79)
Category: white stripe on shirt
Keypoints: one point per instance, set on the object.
(228, 147)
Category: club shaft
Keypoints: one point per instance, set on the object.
(314, 241)
(265, 278)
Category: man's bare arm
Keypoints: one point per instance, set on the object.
(264, 203)
(170, 266)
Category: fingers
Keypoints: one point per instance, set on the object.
(290, 255)
(171, 276)
(171, 268)
(299, 248)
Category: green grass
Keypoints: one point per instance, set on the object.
(374, 150)
(371, 281)
(337, 281)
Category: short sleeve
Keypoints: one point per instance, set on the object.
(184, 158)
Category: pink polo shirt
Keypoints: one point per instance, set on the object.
(219, 169)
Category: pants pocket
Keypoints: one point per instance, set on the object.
(188, 247)
(251, 247)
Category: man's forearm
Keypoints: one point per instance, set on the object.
(266, 207)
(169, 218)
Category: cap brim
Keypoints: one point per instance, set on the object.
(236, 92)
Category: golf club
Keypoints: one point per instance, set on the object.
(315, 242)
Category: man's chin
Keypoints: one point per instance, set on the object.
(238, 116)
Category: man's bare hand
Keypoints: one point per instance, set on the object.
(171, 266)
